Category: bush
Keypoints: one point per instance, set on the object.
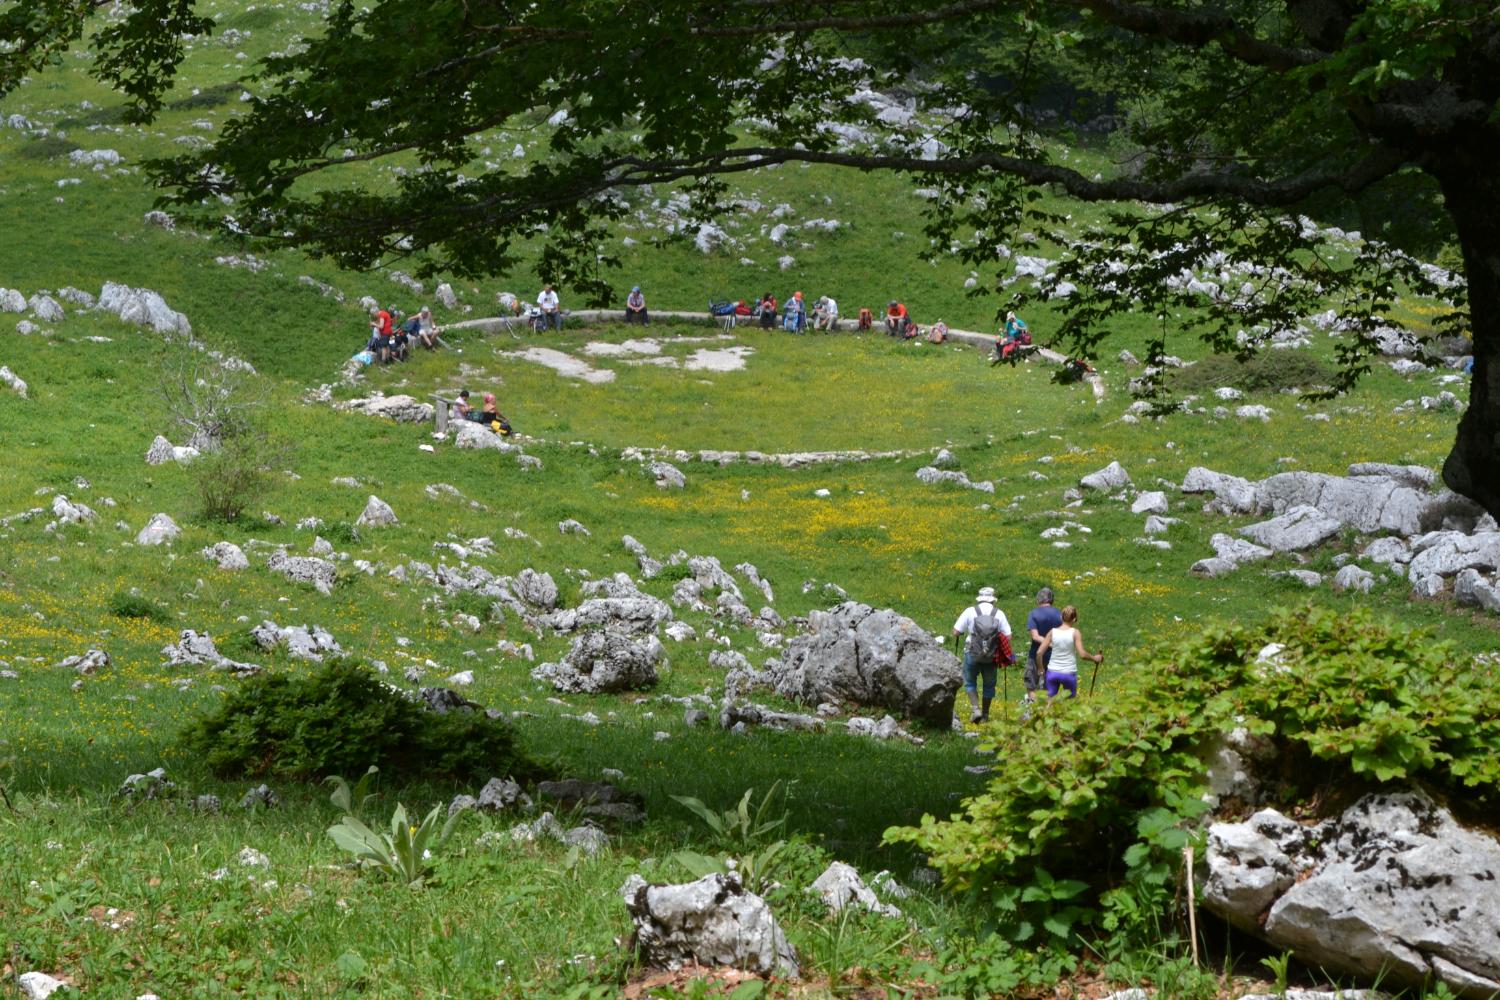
(1350, 703)
(236, 475)
(1269, 371)
(340, 719)
(127, 604)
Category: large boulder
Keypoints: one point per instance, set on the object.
(1445, 553)
(1395, 887)
(713, 921)
(630, 614)
(1300, 527)
(195, 649)
(227, 554)
(142, 307)
(604, 662)
(857, 654)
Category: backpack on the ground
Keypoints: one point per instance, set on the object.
(937, 333)
(1072, 370)
(984, 636)
(722, 307)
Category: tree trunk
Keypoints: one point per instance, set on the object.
(1471, 186)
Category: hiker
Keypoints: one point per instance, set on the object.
(400, 343)
(421, 328)
(1073, 370)
(897, 319)
(768, 311)
(1016, 328)
(826, 314)
(1012, 341)
(635, 307)
(1042, 620)
(795, 320)
(986, 626)
(866, 320)
(492, 418)
(464, 410)
(551, 314)
(1063, 646)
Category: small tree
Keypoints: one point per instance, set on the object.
(217, 400)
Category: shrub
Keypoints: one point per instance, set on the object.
(1268, 371)
(340, 719)
(128, 604)
(1350, 703)
(236, 475)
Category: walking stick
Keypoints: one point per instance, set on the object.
(1095, 678)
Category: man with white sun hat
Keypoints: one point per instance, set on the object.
(985, 625)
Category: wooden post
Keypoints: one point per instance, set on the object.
(1187, 856)
(440, 411)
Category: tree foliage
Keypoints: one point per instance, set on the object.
(1233, 118)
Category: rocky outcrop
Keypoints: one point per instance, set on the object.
(304, 569)
(713, 921)
(195, 649)
(867, 657)
(604, 662)
(401, 408)
(667, 475)
(142, 307)
(16, 383)
(377, 514)
(1111, 477)
(302, 641)
(1394, 887)
(1301, 527)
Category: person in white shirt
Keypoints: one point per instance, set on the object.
(551, 314)
(826, 314)
(1066, 644)
(635, 307)
(984, 624)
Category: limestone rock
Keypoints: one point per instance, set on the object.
(536, 589)
(479, 437)
(1213, 567)
(1394, 886)
(142, 307)
(1299, 528)
(1416, 476)
(944, 459)
(160, 452)
(160, 530)
(1352, 577)
(87, 664)
(46, 308)
(840, 886)
(198, 649)
(39, 985)
(1237, 550)
(377, 514)
(304, 569)
(1233, 494)
(667, 475)
(1387, 551)
(604, 662)
(1111, 477)
(713, 921)
(931, 474)
(302, 641)
(1444, 553)
(227, 554)
(572, 527)
(68, 512)
(856, 654)
(1153, 502)
(16, 383)
(401, 408)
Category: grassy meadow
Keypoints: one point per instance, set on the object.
(121, 899)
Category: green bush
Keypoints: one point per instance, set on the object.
(1112, 789)
(340, 719)
(1268, 371)
(127, 604)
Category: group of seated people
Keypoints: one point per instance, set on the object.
(489, 414)
(391, 339)
(794, 316)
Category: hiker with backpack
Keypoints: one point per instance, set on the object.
(1042, 620)
(988, 645)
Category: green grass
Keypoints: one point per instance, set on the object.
(883, 536)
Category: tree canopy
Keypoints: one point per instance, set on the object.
(1232, 117)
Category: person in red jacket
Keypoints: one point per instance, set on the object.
(896, 319)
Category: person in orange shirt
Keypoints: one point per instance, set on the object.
(896, 318)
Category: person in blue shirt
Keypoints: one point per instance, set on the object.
(1042, 620)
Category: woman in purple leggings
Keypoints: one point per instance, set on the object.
(1066, 643)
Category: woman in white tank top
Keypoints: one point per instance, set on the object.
(1066, 644)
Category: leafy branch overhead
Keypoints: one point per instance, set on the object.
(1224, 117)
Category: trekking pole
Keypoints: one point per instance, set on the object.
(1095, 678)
